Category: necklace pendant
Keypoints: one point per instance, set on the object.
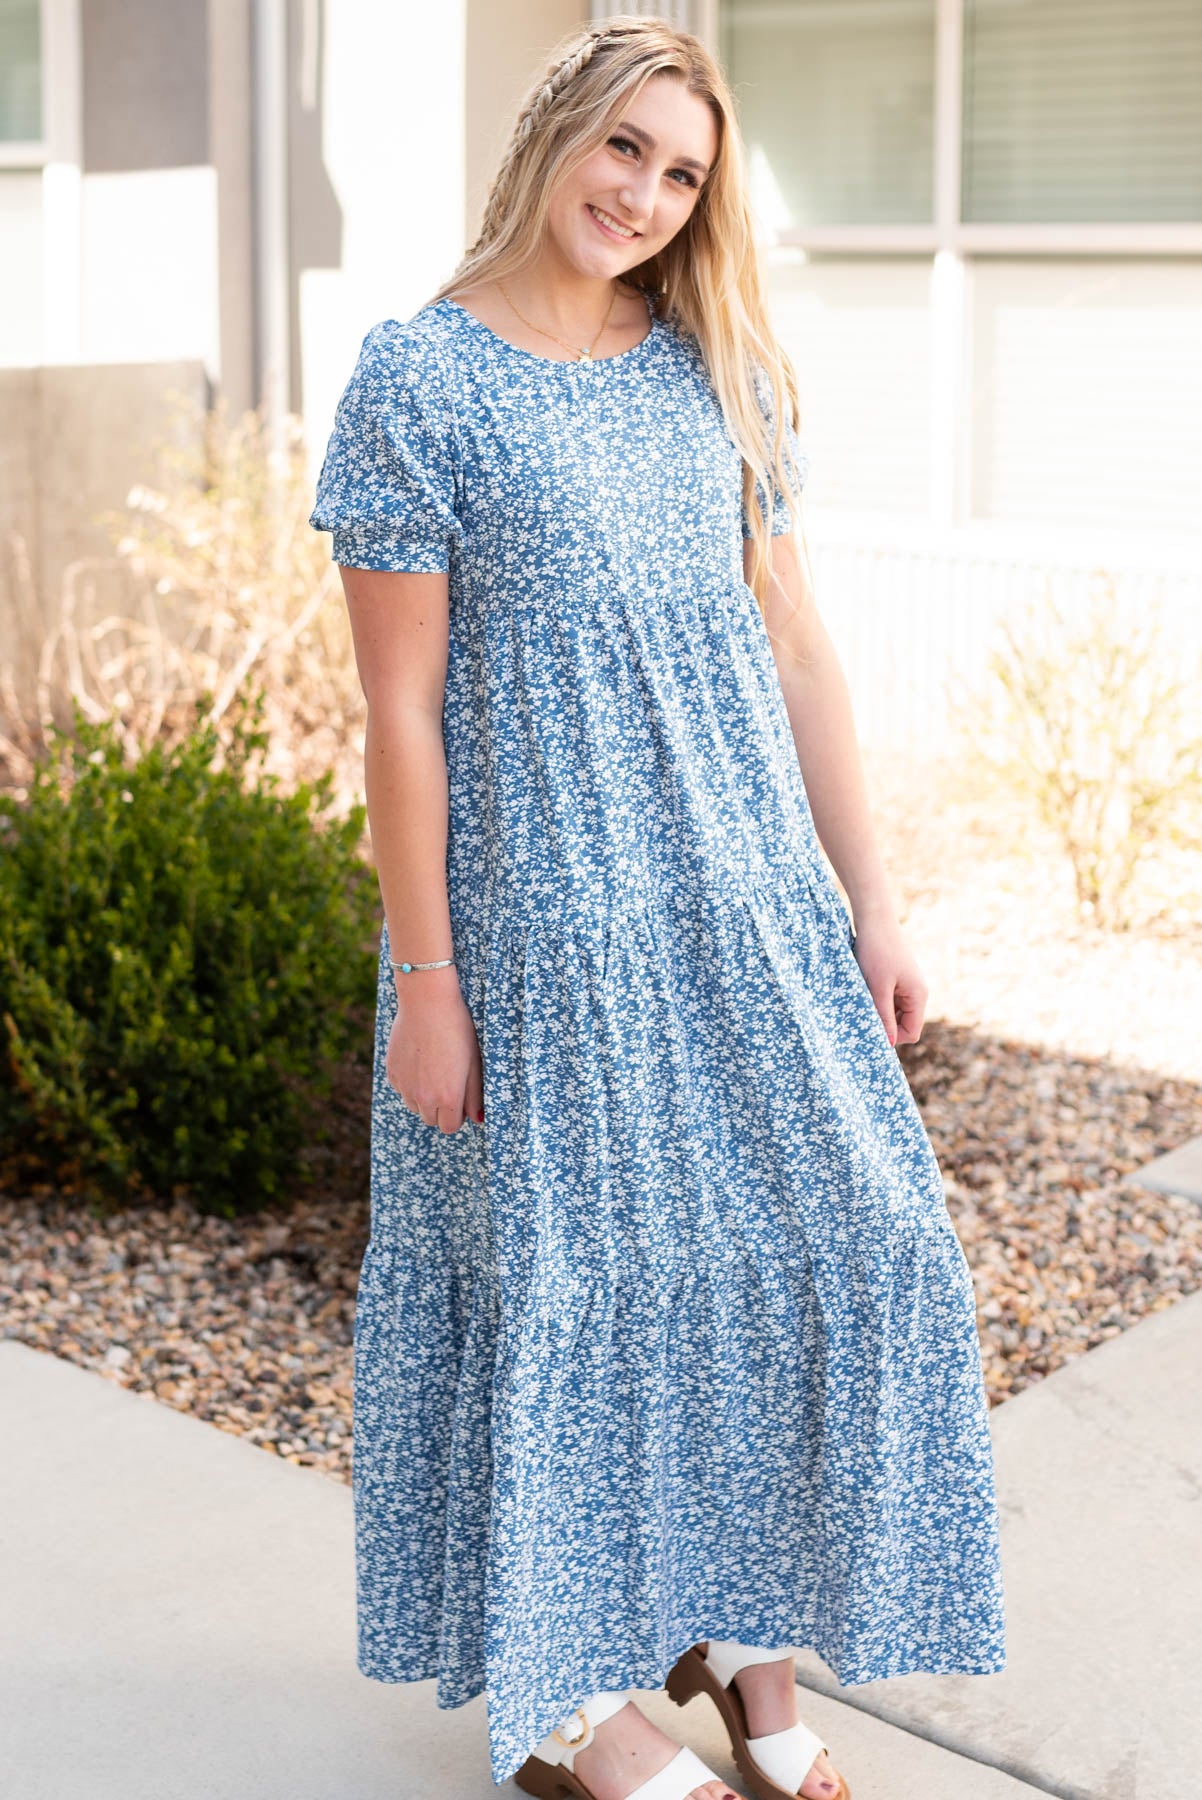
(584, 357)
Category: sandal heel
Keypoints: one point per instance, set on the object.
(686, 1678)
(545, 1781)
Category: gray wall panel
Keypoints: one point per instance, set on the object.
(145, 84)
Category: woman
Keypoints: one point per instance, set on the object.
(663, 1329)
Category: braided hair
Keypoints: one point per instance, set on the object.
(533, 111)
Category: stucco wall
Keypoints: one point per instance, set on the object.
(75, 439)
(506, 47)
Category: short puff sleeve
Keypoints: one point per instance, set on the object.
(389, 480)
(782, 514)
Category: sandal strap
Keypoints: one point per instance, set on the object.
(726, 1658)
(678, 1778)
(570, 1735)
(787, 1756)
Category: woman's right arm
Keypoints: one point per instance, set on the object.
(400, 627)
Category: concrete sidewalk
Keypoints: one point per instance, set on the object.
(1100, 1490)
(178, 1618)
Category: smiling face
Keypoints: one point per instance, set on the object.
(637, 189)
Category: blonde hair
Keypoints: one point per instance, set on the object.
(706, 279)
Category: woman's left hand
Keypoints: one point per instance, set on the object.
(894, 979)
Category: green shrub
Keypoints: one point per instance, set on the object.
(182, 948)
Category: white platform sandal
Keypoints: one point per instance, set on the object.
(548, 1771)
(773, 1766)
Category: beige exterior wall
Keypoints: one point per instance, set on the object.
(231, 144)
(505, 47)
(75, 439)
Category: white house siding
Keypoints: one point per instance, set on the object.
(1087, 392)
(859, 335)
(392, 107)
(109, 221)
(148, 247)
(23, 242)
(1083, 430)
(1082, 381)
(112, 219)
(987, 265)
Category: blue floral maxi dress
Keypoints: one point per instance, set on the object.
(680, 1342)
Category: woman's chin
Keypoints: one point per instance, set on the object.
(585, 259)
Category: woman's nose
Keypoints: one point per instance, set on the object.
(638, 200)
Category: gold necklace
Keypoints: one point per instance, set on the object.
(585, 354)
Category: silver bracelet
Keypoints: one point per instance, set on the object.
(444, 964)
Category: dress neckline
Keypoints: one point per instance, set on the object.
(556, 362)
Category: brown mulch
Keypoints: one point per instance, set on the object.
(1035, 1147)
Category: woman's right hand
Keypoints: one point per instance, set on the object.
(433, 1059)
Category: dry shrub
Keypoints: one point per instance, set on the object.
(1090, 722)
(224, 589)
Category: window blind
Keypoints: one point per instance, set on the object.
(836, 101)
(1082, 110)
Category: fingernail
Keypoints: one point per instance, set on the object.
(480, 1116)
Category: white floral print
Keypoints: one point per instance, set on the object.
(680, 1342)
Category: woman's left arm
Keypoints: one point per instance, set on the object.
(818, 703)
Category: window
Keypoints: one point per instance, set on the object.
(1082, 114)
(1082, 110)
(984, 222)
(20, 71)
(836, 104)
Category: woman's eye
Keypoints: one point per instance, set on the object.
(625, 144)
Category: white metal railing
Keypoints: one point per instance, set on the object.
(905, 620)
